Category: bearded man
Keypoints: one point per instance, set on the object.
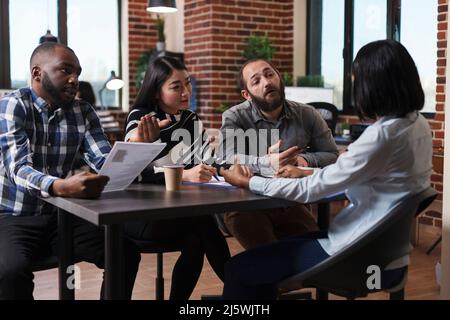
(42, 129)
(266, 133)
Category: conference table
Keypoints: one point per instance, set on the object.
(144, 202)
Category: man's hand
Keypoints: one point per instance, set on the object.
(238, 175)
(83, 185)
(148, 129)
(301, 162)
(200, 173)
(290, 171)
(278, 160)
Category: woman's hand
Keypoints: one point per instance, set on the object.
(238, 175)
(148, 129)
(201, 173)
(290, 171)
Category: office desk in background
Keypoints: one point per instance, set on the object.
(142, 202)
(343, 140)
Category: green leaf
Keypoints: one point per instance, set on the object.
(259, 47)
(141, 66)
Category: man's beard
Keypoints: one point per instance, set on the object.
(57, 97)
(267, 106)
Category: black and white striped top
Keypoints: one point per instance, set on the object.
(190, 152)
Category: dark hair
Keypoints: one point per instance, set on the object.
(158, 71)
(242, 84)
(47, 47)
(86, 92)
(386, 81)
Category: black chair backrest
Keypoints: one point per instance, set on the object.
(218, 217)
(388, 240)
(329, 113)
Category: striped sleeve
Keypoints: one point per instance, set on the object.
(95, 144)
(132, 122)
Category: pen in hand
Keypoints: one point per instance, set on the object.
(212, 157)
(209, 163)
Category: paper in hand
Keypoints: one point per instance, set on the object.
(126, 161)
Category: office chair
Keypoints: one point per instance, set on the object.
(329, 113)
(434, 245)
(323, 222)
(345, 273)
(45, 263)
(158, 247)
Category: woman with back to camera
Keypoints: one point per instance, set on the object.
(162, 102)
(376, 173)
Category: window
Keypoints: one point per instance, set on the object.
(332, 64)
(95, 39)
(347, 25)
(421, 43)
(369, 22)
(42, 15)
(90, 28)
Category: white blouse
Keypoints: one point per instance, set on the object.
(390, 161)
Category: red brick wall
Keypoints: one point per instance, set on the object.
(434, 217)
(142, 37)
(215, 33)
(438, 123)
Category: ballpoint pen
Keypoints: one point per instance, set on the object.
(212, 157)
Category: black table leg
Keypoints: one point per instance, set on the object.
(66, 261)
(114, 287)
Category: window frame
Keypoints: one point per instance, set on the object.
(5, 52)
(5, 71)
(314, 43)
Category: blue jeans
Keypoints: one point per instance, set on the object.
(254, 274)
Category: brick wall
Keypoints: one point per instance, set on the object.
(142, 37)
(434, 217)
(438, 123)
(215, 33)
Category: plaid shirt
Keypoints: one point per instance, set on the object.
(39, 146)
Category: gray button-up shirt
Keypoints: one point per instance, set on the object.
(299, 125)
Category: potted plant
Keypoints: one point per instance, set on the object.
(141, 66)
(224, 106)
(161, 44)
(259, 47)
(288, 79)
(311, 81)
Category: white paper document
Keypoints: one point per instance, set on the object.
(213, 183)
(126, 161)
(221, 183)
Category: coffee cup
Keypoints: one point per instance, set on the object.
(173, 175)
